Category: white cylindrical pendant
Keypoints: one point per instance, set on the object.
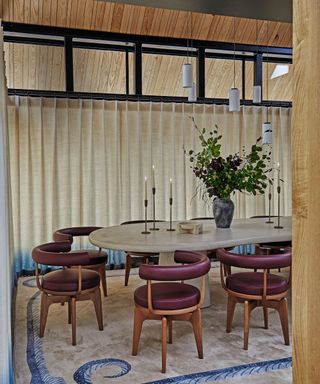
(234, 100)
(187, 75)
(267, 133)
(192, 92)
(256, 94)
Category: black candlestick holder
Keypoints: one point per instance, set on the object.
(278, 190)
(170, 225)
(145, 232)
(269, 221)
(153, 228)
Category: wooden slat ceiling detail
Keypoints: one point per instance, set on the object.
(41, 67)
(124, 18)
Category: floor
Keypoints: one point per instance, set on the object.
(104, 356)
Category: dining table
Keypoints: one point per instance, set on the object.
(165, 242)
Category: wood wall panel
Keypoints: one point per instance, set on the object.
(124, 18)
(306, 192)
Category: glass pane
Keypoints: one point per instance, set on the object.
(219, 77)
(280, 87)
(35, 67)
(249, 79)
(162, 75)
(99, 71)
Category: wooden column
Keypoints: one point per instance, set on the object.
(306, 192)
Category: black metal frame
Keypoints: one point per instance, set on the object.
(135, 44)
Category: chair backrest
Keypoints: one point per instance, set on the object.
(67, 234)
(257, 261)
(197, 265)
(57, 254)
(203, 218)
(140, 221)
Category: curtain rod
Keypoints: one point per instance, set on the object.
(135, 98)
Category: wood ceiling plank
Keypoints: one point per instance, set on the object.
(113, 17)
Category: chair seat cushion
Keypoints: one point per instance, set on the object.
(96, 256)
(66, 280)
(168, 296)
(251, 283)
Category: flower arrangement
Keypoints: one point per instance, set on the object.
(222, 176)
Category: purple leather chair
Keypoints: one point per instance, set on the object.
(254, 288)
(169, 300)
(97, 258)
(67, 284)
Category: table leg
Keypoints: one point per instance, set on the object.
(167, 258)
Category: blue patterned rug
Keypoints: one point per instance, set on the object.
(83, 375)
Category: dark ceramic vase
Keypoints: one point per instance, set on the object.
(223, 212)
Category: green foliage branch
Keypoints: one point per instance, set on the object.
(222, 176)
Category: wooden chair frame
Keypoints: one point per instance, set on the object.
(191, 314)
(278, 302)
(49, 297)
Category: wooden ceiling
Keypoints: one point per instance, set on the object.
(124, 18)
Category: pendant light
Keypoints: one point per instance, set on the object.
(267, 126)
(234, 94)
(257, 88)
(187, 69)
(192, 92)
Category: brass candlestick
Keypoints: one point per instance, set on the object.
(154, 210)
(278, 190)
(170, 225)
(269, 221)
(145, 232)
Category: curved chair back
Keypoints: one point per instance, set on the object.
(58, 254)
(67, 234)
(258, 261)
(197, 265)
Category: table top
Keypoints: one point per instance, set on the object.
(242, 231)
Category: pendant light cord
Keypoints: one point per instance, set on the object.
(268, 69)
(234, 52)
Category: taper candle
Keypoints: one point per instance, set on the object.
(153, 178)
(170, 193)
(145, 188)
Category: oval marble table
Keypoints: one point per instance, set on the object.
(242, 231)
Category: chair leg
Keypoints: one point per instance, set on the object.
(98, 307)
(137, 326)
(128, 268)
(43, 312)
(265, 317)
(102, 272)
(232, 301)
(197, 330)
(283, 313)
(164, 344)
(73, 320)
(170, 329)
(246, 324)
(69, 312)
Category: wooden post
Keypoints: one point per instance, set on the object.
(306, 192)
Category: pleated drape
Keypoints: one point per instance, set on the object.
(83, 162)
(6, 236)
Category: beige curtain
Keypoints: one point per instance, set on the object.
(83, 162)
(6, 235)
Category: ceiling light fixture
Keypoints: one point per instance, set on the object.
(234, 94)
(267, 126)
(257, 87)
(187, 68)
